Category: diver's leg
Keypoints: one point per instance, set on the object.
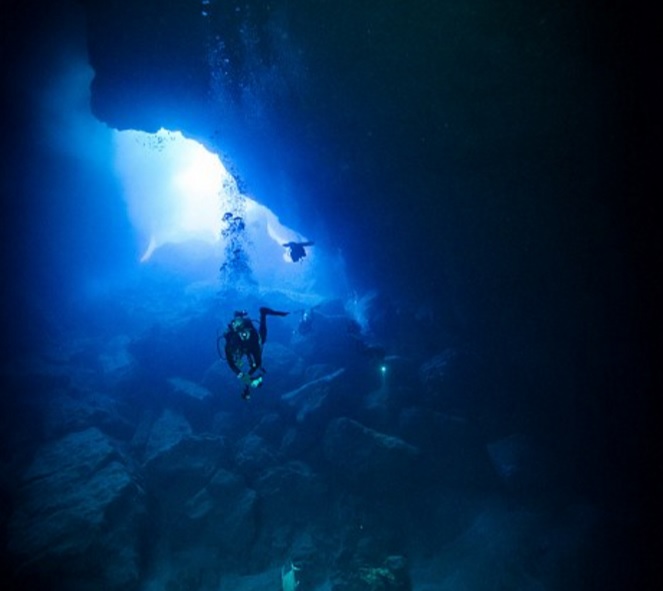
(264, 312)
(246, 392)
(262, 330)
(270, 312)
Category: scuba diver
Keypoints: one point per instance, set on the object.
(243, 340)
(296, 250)
(308, 317)
(306, 323)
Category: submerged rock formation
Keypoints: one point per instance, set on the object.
(80, 516)
(368, 458)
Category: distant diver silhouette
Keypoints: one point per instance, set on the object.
(296, 250)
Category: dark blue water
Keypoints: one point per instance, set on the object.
(460, 396)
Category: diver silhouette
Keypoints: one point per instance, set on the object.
(296, 250)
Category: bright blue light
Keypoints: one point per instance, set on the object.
(174, 188)
(177, 191)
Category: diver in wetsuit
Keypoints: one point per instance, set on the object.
(243, 340)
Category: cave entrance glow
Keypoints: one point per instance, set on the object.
(177, 195)
(175, 189)
(177, 192)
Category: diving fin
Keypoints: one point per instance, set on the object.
(270, 312)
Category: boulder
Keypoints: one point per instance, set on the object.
(222, 383)
(115, 363)
(284, 366)
(181, 469)
(79, 516)
(311, 397)
(189, 389)
(221, 516)
(68, 411)
(158, 350)
(366, 457)
(268, 580)
(253, 455)
(520, 463)
(290, 494)
(192, 400)
(453, 453)
(288, 501)
(389, 575)
(436, 376)
(270, 427)
(165, 433)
